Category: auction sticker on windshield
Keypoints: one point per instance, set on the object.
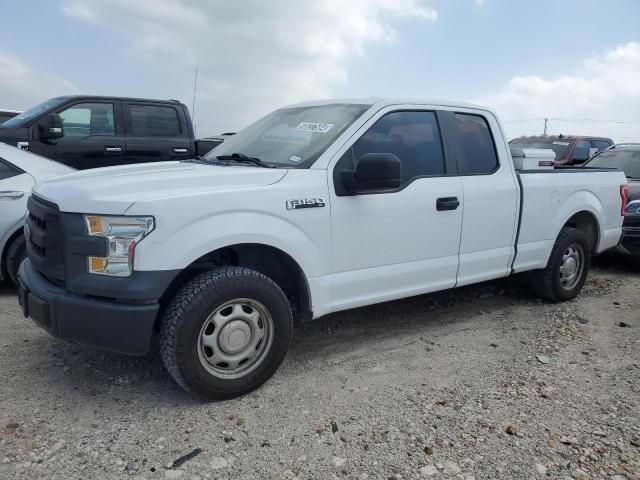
(318, 127)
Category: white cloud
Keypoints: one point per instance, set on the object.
(252, 55)
(605, 87)
(22, 86)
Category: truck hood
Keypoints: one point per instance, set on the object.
(113, 190)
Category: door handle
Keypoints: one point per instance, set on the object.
(447, 203)
(112, 149)
(180, 150)
(11, 195)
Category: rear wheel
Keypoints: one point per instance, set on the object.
(16, 253)
(225, 332)
(567, 269)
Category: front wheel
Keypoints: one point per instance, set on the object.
(225, 332)
(567, 269)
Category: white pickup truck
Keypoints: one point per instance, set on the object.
(315, 208)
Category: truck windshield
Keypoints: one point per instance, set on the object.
(558, 145)
(291, 137)
(626, 160)
(22, 119)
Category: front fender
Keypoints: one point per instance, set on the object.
(304, 242)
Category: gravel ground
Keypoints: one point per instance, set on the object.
(484, 382)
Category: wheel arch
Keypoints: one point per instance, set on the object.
(582, 210)
(269, 260)
(11, 237)
(587, 222)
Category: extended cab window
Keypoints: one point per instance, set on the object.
(154, 121)
(413, 137)
(7, 171)
(477, 150)
(86, 119)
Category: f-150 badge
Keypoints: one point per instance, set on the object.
(305, 203)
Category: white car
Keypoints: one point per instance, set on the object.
(19, 172)
(316, 208)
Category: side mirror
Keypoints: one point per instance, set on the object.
(50, 127)
(375, 171)
(592, 152)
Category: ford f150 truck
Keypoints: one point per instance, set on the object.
(315, 208)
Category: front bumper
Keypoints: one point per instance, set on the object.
(95, 322)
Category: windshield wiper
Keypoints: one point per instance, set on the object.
(242, 158)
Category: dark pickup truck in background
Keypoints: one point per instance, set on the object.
(569, 149)
(93, 131)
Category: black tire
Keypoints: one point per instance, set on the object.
(16, 253)
(547, 283)
(189, 314)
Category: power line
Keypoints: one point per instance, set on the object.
(580, 120)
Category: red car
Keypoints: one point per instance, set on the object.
(569, 149)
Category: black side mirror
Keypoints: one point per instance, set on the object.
(50, 127)
(375, 171)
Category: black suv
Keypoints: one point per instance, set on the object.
(92, 131)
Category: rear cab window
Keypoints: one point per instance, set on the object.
(476, 149)
(154, 121)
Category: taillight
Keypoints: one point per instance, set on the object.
(624, 195)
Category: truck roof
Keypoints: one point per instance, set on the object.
(387, 101)
(110, 97)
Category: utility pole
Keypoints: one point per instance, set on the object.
(545, 126)
(193, 105)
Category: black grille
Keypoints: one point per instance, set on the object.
(44, 245)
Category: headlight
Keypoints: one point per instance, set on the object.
(122, 234)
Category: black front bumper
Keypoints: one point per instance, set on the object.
(101, 323)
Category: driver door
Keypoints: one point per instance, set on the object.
(404, 241)
(93, 136)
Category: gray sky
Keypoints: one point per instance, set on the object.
(574, 61)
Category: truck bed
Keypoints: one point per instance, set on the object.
(548, 198)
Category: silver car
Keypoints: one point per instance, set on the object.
(19, 172)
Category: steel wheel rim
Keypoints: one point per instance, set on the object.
(571, 266)
(235, 338)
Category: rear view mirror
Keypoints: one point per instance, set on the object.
(374, 171)
(50, 127)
